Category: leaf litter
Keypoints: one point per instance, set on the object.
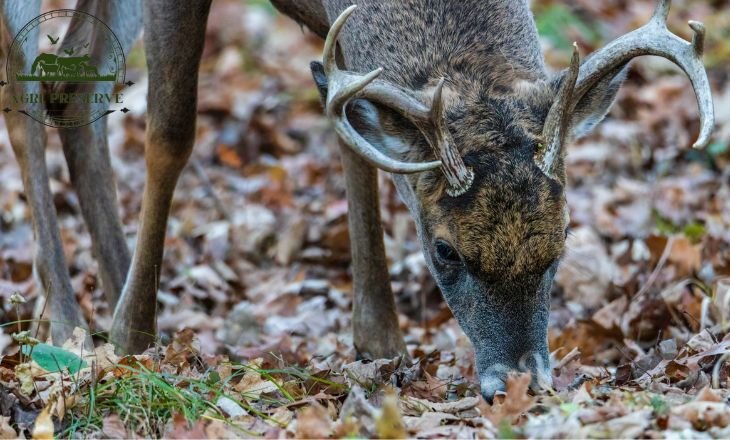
(255, 292)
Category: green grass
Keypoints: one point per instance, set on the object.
(693, 230)
(146, 397)
(147, 400)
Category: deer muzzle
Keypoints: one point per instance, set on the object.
(507, 324)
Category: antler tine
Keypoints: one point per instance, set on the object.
(661, 13)
(457, 174)
(329, 57)
(655, 39)
(556, 123)
(342, 88)
(698, 39)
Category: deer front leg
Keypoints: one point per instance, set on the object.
(374, 319)
(28, 139)
(86, 148)
(174, 36)
(87, 154)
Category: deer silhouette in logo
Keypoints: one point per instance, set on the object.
(54, 67)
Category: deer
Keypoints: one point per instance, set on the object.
(451, 98)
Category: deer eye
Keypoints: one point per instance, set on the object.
(446, 254)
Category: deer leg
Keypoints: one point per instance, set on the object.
(87, 156)
(87, 151)
(28, 139)
(376, 333)
(173, 41)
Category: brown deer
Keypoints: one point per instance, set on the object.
(451, 97)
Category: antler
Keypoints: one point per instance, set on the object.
(655, 39)
(344, 87)
(651, 39)
(556, 124)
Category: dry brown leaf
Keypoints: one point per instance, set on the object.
(419, 406)
(389, 423)
(704, 414)
(62, 404)
(609, 316)
(6, 431)
(178, 428)
(24, 374)
(586, 271)
(357, 413)
(104, 357)
(76, 342)
(43, 427)
(631, 425)
(707, 394)
(218, 429)
(516, 401)
(313, 422)
(427, 420)
(113, 427)
(676, 371)
(128, 364)
(583, 395)
(252, 385)
(367, 373)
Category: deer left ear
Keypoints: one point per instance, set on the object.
(594, 105)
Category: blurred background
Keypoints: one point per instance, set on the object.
(257, 251)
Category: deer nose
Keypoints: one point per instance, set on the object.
(494, 381)
(491, 385)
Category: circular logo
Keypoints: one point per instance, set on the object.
(77, 75)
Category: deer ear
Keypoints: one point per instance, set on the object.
(320, 79)
(594, 105)
(380, 128)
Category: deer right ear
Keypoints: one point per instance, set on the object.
(320, 79)
(596, 103)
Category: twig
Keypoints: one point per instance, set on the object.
(574, 353)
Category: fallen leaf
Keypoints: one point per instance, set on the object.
(231, 408)
(43, 427)
(389, 423)
(313, 422)
(516, 401)
(6, 431)
(427, 420)
(113, 427)
(451, 407)
(24, 374)
(179, 428)
(252, 384)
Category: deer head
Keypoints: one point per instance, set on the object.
(480, 168)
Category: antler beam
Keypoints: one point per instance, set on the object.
(655, 39)
(343, 87)
(557, 122)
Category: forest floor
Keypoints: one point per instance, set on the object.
(254, 303)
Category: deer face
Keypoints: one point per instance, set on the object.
(494, 249)
(490, 210)
(493, 252)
